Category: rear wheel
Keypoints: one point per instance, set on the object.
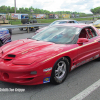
(37, 28)
(21, 29)
(60, 71)
(33, 29)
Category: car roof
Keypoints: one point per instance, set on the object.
(74, 25)
(65, 20)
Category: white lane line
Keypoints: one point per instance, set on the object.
(87, 91)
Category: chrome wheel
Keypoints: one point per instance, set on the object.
(61, 70)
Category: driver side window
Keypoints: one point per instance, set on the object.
(83, 34)
(87, 33)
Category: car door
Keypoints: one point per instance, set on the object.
(88, 50)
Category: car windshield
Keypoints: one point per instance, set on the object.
(57, 34)
(97, 22)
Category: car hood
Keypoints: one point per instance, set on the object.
(27, 51)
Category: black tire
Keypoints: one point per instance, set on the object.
(0, 43)
(34, 21)
(10, 31)
(21, 29)
(31, 21)
(98, 59)
(30, 29)
(60, 71)
(34, 30)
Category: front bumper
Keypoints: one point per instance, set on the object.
(23, 78)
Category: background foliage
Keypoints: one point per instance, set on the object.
(8, 9)
(95, 10)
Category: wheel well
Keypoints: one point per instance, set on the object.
(69, 61)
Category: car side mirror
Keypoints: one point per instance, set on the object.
(82, 40)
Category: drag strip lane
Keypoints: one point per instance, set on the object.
(87, 91)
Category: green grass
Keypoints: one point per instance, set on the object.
(51, 20)
(46, 20)
(83, 19)
(16, 22)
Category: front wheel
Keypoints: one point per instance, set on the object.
(60, 71)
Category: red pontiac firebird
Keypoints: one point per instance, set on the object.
(49, 55)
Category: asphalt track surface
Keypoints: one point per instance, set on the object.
(83, 83)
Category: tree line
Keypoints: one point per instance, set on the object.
(95, 10)
(30, 10)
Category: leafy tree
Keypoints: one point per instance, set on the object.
(95, 10)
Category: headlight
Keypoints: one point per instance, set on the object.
(33, 72)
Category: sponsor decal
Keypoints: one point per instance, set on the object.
(73, 67)
(48, 73)
(81, 63)
(26, 51)
(84, 61)
(87, 60)
(31, 50)
(46, 80)
(96, 56)
(47, 69)
(91, 58)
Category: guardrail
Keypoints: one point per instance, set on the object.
(23, 26)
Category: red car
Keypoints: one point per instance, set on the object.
(49, 55)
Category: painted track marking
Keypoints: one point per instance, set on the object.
(87, 91)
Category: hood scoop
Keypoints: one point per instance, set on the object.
(9, 57)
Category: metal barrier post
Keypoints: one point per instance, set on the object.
(27, 29)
